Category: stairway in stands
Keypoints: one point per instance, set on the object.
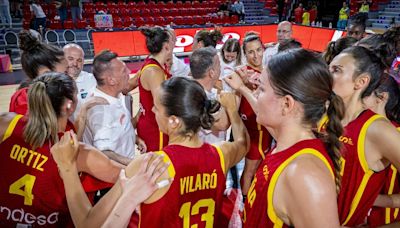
(387, 15)
(256, 13)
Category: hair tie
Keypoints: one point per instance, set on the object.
(207, 104)
(332, 95)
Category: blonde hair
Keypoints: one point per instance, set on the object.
(45, 97)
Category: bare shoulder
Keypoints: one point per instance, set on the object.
(307, 169)
(5, 119)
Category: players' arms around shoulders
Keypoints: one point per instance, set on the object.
(305, 194)
(116, 207)
(234, 151)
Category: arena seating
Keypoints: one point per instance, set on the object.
(130, 15)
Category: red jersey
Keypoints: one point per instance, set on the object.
(31, 191)
(359, 185)
(259, 209)
(260, 139)
(19, 101)
(380, 216)
(298, 15)
(147, 127)
(195, 195)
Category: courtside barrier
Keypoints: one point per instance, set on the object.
(133, 43)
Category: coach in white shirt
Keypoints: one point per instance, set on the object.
(109, 127)
(283, 32)
(85, 82)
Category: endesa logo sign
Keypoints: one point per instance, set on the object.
(131, 43)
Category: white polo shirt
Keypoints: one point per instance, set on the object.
(109, 127)
(85, 83)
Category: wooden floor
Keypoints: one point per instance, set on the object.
(6, 92)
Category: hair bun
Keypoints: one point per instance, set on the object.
(27, 42)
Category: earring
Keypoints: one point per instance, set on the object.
(69, 105)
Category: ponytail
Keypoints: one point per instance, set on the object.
(334, 130)
(42, 122)
(207, 118)
(46, 96)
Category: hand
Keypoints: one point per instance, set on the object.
(141, 145)
(235, 81)
(249, 77)
(93, 101)
(228, 101)
(65, 152)
(143, 183)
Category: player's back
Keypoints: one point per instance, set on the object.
(31, 190)
(195, 195)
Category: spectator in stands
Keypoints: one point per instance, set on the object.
(205, 38)
(280, 6)
(223, 7)
(289, 44)
(238, 9)
(393, 34)
(306, 17)
(76, 11)
(109, 127)
(5, 12)
(36, 59)
(85, 82)
(344, 13)
(298, 14)
(283, 32)
(364, 8)
(335, 47)
(313, 12)
(356, 28)
(39, 15)
(61, 6)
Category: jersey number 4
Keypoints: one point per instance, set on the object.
(17, 188)
(187, 210)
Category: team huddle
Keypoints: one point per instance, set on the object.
(311, 139)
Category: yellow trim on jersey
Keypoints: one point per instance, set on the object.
(161, 141)
(152, 65)
(390, 192)
(171, 169)
(361, 142)
(322, 122)
(260, 144)
(221, 158)
(364, 164)
(11, 127)
(274, 179)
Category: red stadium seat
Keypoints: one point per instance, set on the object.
(55, 24)
(179, 4)
(139, 22)
(170, 4)
(187, 4)
(68, 24)
(81, 24)
(179, 20)
(135, 12)
(150, 21)
(164, 12)
(117, 23)
(169, 19)
(145, 12)
(159, 21)
(174, 12)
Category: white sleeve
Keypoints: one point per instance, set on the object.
(103, 128)
(179, 67)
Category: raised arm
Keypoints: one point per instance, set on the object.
(237, 83)
(151, 78)
(236, 150)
